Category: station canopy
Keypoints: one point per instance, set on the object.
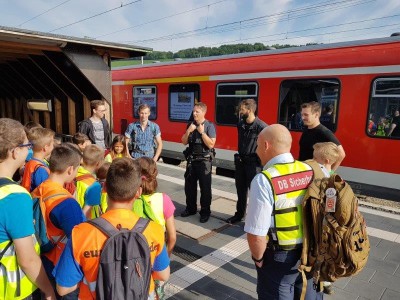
(66, 71)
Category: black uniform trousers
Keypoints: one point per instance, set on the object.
(198, 170)
(245, 170)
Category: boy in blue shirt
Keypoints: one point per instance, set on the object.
(16, 220)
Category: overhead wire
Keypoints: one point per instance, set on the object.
(307, 29)
(252, 22)
(94, 16)
(46, 11)
(160, 19)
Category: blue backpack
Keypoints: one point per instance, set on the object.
(39, 210)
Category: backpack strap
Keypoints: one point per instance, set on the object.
(104, 226)
(6, 181)
(141, 225)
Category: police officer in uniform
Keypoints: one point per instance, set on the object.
(247, 163)
(201, 136)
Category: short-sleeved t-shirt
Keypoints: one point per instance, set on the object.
(168, 206)
(16, 213)
(195, 139)
(396, 130)
(99, 133)
(310, 137)
(247, 136)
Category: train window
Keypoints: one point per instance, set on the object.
(229, 96)
(293, 93)
(182, 97)
(383, 114)
(145, 95)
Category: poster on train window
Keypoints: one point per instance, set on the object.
(145, 95)
(181, 105)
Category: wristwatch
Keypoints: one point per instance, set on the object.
(257, 260)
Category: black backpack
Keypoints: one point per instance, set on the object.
(125, 267)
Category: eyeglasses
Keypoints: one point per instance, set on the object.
(103, 111)
(28, 145)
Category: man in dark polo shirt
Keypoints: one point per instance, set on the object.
(315, 132)
(247, 163)
(201, 136)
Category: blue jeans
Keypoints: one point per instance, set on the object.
(278, 278)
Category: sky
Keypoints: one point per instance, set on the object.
(173, 25)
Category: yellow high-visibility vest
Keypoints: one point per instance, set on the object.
(157, 205)
(14, 284)
(289, 182)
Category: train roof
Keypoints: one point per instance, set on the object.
(356, 43)
(17, 36)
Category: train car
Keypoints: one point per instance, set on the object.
(357, 83)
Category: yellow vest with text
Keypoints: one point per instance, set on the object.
(14, 284)
(289, 182)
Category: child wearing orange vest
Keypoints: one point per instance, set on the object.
(60, 210)
(78, 266)
(36, 170)
(88, 190)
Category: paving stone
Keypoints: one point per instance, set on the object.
(245, 273)
(374, 241)
(390, 295)
(387, 280)
(394, 255)
(340, 294)
(364, 289)
(379, 253)
(382, 265)
(366, 274)
(379, 225)
(219, 289)
(397, 273)
(385, 244)
(244, 295)
(342, 282)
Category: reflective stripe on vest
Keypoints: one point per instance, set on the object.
(91, 285)
(103, 200)
(156, 202)
(14, 284)
(289, 184)
(50, 196)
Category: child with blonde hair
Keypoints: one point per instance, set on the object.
(36, 170)
(325, 154)
(88, 189)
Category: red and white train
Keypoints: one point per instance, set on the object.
(359, 81)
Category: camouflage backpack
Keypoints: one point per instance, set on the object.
(335, 240)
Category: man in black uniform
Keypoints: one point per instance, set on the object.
(247, 163)
(315, 132)
(394, 129)
(200, 135)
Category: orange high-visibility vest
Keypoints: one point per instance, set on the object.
(30, 168)
(88, 241)
(50, 195)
